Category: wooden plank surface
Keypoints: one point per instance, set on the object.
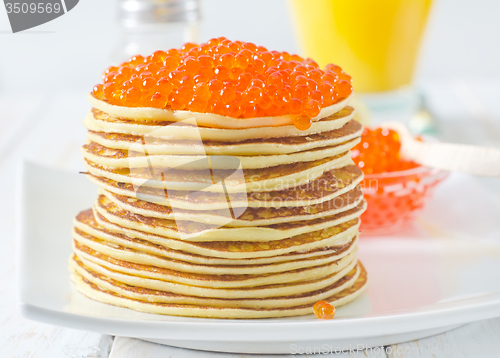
(475, 340)
(134, 348)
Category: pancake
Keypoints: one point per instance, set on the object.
(223, 180)
(99, 121)
(324, 188)
(125, 253)
(138, 157)
(134, 255)
(141, 276)
(239, 217)
(332, 236)
(257, 146)
(148, 295)
(202, 280)
(212, 120)
(218, 253)
(195, 231)
(95, 292)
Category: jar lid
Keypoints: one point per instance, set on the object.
(133, 13)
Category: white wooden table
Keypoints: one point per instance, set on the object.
(47, 130)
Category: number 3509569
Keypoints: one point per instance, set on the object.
(32, 8)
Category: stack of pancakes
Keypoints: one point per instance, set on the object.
(219, 222)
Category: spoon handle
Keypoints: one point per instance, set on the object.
(462, 158)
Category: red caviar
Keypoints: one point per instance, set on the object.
(394, 188)
(324, 310)
(379, 152)
(236, 79)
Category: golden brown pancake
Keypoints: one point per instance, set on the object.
(138, 157)
(332, 236)
(196, 231)
(149, 295)
(138, 276)
(209, 120)
(99, 121)
(324, 188)
(112, 297)
(219, 253)
(223, 180)
(257, 146)
(246, 280)
(153, 257)
(239, 216)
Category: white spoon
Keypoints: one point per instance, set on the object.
(463, 158)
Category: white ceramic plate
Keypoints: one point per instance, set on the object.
(442, 273)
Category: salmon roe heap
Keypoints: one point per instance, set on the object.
(324, 310)
(235, 79)
(395, 189)
(379, 152)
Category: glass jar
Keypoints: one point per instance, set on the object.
(151, 25)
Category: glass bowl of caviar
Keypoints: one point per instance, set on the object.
(395, 189)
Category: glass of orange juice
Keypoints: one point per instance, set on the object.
(375, 41)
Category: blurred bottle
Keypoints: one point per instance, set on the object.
(376, 42)
(151, 25)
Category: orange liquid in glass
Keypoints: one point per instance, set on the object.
(376, 42)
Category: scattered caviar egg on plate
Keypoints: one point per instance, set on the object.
(229, 78)
(324, 310)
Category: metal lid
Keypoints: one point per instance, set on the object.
(132, 13)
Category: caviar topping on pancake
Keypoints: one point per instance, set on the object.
(227, 79)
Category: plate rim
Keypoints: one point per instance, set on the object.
(231, 330)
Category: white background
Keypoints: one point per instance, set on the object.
(69, 53)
